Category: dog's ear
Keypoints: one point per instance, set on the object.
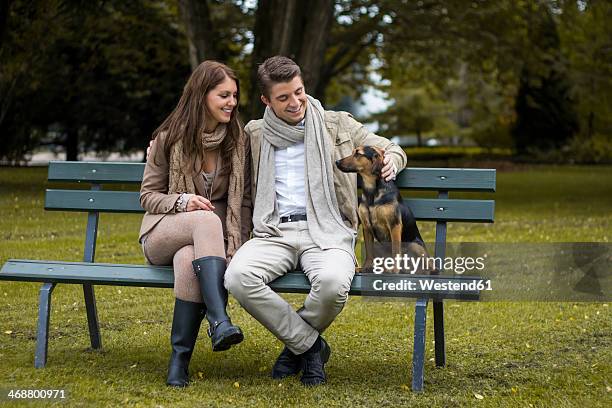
(377, 164)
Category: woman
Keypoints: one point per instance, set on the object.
(196, 190)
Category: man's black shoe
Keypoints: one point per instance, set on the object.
(287, 364)
(313, 370)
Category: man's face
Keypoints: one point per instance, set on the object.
(288, 100)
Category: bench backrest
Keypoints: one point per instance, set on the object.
(97, 174)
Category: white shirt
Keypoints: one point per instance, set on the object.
(290, 179)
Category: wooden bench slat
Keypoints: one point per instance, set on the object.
(96, 172)
(447, 179)
(411, 178)
(163, 277)
(128, 201)
(90, 200)
(452, 210)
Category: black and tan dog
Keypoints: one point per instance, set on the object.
(382, 212)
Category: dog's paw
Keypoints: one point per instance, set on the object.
(364, 269)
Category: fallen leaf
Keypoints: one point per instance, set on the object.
(134, 366)
(478, 396)
(200, 374)
(405, 387)
(8, 332)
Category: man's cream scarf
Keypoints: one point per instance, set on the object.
(324, 220)
(180, 182)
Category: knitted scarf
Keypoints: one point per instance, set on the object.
(180, 182)
(325, 223)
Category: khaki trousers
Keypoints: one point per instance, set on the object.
(261, 260)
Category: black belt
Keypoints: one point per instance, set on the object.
(293, 218)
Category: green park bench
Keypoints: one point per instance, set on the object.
(95, 200)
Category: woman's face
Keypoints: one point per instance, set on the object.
(221, 102)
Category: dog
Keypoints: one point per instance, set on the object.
(382, 212)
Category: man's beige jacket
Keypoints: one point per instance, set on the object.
(346, 133)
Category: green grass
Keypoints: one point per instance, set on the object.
(511, 354)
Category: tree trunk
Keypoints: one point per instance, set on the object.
(296, 29)
(200, 31)
(314, 42)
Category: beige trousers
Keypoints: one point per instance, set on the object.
(261, 260)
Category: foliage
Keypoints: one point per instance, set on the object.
(545, 114)
(103, 77)
(586, 42)
(527, 66)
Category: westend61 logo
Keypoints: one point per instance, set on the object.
(418, 264)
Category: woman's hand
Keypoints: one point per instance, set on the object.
(197, 202)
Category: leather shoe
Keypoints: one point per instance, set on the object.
(313, 370)
(287, 364)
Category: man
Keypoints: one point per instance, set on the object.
(304, 214)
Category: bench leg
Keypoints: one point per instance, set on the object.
(42, 336)
(438, 311)
(92, 317)
(418, 355)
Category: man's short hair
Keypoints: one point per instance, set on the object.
(276, 69)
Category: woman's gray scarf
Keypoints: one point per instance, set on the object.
(324, 220)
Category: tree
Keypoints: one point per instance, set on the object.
(545, 110)
(330, 40)
(103, 77)
(413, 111)
(586, 41)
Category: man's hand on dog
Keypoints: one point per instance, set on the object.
(389, 171)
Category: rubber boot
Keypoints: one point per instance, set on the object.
(186, 323)
(210, 271)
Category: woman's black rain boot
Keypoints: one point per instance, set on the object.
(210, 271)
(185, 327)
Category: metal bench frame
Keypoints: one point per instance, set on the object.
(441, 210)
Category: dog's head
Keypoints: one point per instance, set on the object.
(365, 160)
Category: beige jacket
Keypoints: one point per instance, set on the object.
(346, 133)
(154, 197)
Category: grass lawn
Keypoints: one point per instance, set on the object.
(499, 354)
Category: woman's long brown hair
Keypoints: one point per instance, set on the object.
(189, 119)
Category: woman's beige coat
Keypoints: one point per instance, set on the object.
(156, 201)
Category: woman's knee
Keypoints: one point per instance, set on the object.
(205, 219)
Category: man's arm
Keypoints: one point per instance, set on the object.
(395, 157)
